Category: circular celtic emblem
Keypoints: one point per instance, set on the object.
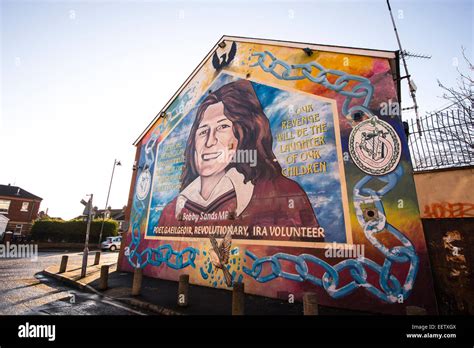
(375, 147)
(143, 184)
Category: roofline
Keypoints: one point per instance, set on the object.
(331, 48)
(36, 199)
(293, 44)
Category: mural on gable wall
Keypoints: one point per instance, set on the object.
(280, 169)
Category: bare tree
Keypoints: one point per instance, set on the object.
(455, 123)
(461, 96)
(446, 136)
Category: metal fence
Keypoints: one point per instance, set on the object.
(442, 140)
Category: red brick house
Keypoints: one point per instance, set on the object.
(20, 207)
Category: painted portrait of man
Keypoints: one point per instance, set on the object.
(221, 189)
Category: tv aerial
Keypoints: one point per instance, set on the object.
(408, 54)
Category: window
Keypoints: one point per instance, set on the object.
(24, 206)
(18, 229)
(4, 205)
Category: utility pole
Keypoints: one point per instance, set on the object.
(411, 84)
(116, 163)
(87, 210)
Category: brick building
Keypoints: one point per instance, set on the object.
(20, 207)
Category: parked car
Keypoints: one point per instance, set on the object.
(111, 243)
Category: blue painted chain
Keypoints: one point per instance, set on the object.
(392, 291)
(363, 89)
(390, 288)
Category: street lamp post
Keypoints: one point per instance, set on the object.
(86, 244)
(116, 163)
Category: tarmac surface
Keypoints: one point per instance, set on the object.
(24, 290)
(35, 287)
(161, 296)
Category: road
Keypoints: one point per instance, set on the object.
(24, 291)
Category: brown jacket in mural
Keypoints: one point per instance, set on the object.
(280, 202)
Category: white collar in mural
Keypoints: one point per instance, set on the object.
(232, 180)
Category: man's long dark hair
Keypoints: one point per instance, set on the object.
(250, 127)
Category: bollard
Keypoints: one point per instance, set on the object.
(238, 299)
(137, 281)
(63, 266)
(97, 258)
(183, 289)
(414, 310)
(310, 303)
(104, 277)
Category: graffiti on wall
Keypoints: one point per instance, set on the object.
(262, 164)
(446, 210)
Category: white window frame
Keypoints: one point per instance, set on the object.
(27, 206)
(16, 227)
(2, 210)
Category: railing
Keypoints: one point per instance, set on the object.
(442, 140)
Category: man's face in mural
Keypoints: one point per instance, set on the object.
(215, 141)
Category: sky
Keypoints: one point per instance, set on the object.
(80, 80)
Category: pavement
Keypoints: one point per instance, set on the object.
(25, 290)
(160, 296)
